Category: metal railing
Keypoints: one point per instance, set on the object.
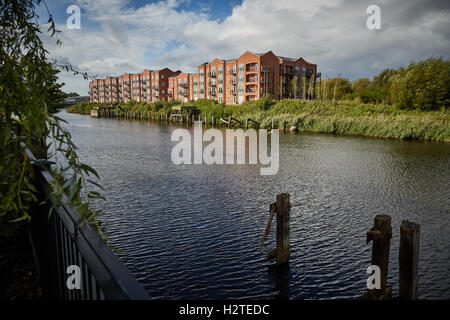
(62, 239)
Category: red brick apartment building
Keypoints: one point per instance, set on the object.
(246, 78)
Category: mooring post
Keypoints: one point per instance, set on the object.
(283, 210)
(409, 259)
(381, 234)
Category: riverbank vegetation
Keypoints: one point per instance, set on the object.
(340, 117)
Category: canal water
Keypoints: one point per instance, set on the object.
(192, 231)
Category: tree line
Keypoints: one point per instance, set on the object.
(423, 85)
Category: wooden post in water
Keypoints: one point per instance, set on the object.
(409, 259)
(283, 210)
(381, 234)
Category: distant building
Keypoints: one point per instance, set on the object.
(246, 78)
(76, 99)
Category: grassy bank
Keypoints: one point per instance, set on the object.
(342, 117)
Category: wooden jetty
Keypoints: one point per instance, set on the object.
(177, 114)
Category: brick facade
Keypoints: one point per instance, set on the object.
(246, 78)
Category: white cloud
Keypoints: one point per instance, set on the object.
(333, 35)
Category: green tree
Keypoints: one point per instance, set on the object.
(359, 85)
(294, 87)
(423, 85)
(29, 98)
(336, 88)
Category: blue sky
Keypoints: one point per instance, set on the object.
(118, 36)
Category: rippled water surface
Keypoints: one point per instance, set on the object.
(192, 231)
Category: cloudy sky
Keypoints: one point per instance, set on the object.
(118, 36)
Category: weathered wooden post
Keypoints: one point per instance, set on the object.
(283, 210)
(229, 121)
(409, 259)
(381, 234)
(284, 125)
(246, 124)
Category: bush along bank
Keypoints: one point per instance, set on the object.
(340, 117)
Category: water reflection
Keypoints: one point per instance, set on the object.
(192, 231)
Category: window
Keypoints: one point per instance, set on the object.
(241, 67)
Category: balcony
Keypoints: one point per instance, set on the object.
(212, 83)
(251, 89)
(291, 71)
(251, 68)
